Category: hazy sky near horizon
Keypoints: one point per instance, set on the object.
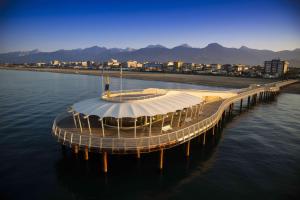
(51, 25)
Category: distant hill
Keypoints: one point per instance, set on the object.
(212, 53)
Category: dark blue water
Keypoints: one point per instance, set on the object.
(256, 156)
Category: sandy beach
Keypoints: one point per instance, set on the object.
(208, 80)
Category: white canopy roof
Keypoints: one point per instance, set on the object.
(170, 102)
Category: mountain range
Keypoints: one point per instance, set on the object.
(212, 53)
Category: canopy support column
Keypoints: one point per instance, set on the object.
(89, 125)
(199, 109)
(192, 112)
(162, 124)
(135, 127)
(186, 112)
(171, 123)
(179, 118)
(102, 127)
(75, 123)
(195, 112)
(80, 125)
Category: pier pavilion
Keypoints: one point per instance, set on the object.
(143, 121)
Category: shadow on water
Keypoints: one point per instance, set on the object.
(130, 177)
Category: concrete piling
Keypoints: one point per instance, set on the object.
(161, 159)
(104, 157)
(188, 148)
(86, 153)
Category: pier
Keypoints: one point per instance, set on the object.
(155, 132)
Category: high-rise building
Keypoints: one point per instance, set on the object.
(55, 62)
(112, 63)
(130, 64)
(275, 67)
(178, 66)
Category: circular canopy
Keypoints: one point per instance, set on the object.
(170, 102)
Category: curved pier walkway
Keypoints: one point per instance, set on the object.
(211, 120)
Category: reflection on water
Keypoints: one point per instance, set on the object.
(131, 176)
(135, 177)
(257, 155)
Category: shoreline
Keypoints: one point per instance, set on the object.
(205, 80)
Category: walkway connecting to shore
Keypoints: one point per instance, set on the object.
(212, 119)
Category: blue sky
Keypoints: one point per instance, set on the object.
(52, 25)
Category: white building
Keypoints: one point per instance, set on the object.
(86, 63)
(130, 64)
(112, 63)
(40, 64)
(215, 67)
(55, 62)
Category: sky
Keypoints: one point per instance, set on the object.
(52, 25)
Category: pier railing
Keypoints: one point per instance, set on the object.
(152, 143)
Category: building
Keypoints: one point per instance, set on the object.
(178, 66)
(188, 67)
(152, 66)
(85, 64)
(227, 67)
(198, 67)
(239, 68)
(40, 64)
(168, 66)
(112, 63)
(55, 62)
(275, 68)
(207, 68)
(215, 67)
(139, 65)
(130, 64)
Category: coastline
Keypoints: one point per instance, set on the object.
(206, 80)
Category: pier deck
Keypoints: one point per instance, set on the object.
(211, 115)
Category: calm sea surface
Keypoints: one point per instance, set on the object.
(256, 156)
